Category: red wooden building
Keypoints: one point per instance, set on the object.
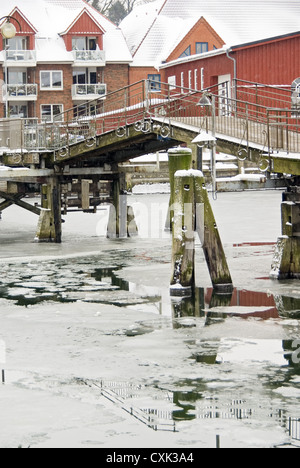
(274, 62)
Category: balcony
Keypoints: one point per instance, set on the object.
(86, 92)
(17, 58)
(89, 57)
(22, 92)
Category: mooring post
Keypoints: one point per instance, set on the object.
(286, 261)
(49, 226)
(179, 159)
(210, 238)
(192, 210)
(183, 250)
(121, 219)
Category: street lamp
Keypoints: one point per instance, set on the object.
(209, 101)
(8, 31)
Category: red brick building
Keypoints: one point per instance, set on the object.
(64, 54)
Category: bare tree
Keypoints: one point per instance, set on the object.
(104, 6)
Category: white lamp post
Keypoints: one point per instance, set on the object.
(8, 31)
(209, 101)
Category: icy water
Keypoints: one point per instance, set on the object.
(96, 334)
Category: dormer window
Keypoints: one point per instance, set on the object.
(84, 43)
(17, 43)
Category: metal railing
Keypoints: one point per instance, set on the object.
(20, 92)
(294, 429)
(20, 56)
(248, 120)
(84, 91)
(89, 55)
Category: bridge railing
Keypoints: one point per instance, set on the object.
(245, 113)
(262, 115)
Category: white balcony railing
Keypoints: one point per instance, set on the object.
(88, 91)
(89, 55)
(19, 57)
(22, 92)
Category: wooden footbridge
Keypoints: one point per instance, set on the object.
(73, 161)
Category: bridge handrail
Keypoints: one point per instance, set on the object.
(147, 99)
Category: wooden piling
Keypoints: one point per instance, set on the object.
(210, 238)
(85, 194)
(49, 226)
(183, 251)
(179, 159)
(118, 213)
(192, 210)
(286, 261)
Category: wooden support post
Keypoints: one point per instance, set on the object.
(179, 159)
(117, 224)
(183, 251)
(286, 261)
(131, 223)
(210, 238)
(85, 195)
(49, 226)
(192, 208)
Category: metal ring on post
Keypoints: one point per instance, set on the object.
(63, 152)
(17, 158)
(264, 165)
(146, 126)
(165, 131)
(121, 132)
(138, 126)
(240, 154)
(90, 142)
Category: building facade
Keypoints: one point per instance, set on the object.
(193, 44)
(273, 61)
(64, 54)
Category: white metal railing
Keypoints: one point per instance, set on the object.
(86, 90)
(247, 123)
(89, 55)
(20, 56)
(20, 92)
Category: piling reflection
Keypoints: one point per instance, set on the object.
(213, 307)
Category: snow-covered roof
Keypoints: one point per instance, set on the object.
(154, 30)
(51, 18)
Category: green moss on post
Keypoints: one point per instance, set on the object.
(179, 159)
(192, 208)
(286, 261)
(211, 240)
(183, 250)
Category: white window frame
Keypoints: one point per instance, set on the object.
(190, 80)
(182, 82)
(196, 79)
(172, 82)
(202, 79)
(52, 115)
(51, 87)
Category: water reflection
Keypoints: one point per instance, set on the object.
(215, 307)
(234, 378)
(195, 406)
